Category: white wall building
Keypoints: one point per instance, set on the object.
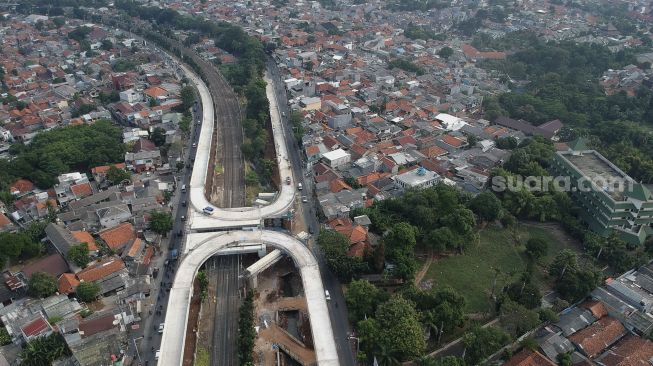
(336, 158)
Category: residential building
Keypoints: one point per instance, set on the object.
(609, 199)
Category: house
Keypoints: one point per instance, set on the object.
(143, 160)
(336, 158)
(62, 239)
(108, 272)
(119, 236)
(527, 357)
(114, 214)
(600, 335)
(36, 328)
(631, 350)
(100, 172)
(67, 283)
(417, 178)
(5, 224)
(53, 264)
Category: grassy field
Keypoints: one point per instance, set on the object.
(499, 254)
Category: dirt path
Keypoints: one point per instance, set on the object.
(191, 334)
(425, 268)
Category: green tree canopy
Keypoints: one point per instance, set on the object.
(536, 248)
(88, 291)
(362, 298)
(486, 206)
(79, 254)
(44, 350)
(116, 175)
(400, 329)
(335, 247)
(161, 222)
(516, 319)
(42, 284)
(445, 52)
(483, 342)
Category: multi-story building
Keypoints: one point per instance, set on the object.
(609, 199)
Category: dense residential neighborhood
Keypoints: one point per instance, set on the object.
(431, 182)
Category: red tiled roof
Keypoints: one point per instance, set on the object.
(96, 325)
(82, 190)
(21, 186)
(598, 336)
(85, 237)
(4, 220)
(119, 236)
(312, 150)
(452, 141)
(529, 358)
(35, 327)
(630, 351)
(134, 248)
(101, 269)
(597, 308)
(338, 185)
(67, 283)
(105, 168)
(53, 264)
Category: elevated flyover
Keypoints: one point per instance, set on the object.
(226, 218)
(205, 245)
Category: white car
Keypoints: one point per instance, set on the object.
(157, 354)
(304, 199)
(161, 326)
(327, 295)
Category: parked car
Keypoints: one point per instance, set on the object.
(161, 327)
(304, 199)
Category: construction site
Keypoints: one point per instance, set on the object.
(281, 315)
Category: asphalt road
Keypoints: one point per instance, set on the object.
(151, 339)
(337, 307)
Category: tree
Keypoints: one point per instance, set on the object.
(203, 281)
(400, 243)
(516, 319)
(548, 316)
(564, 359)
(362, 298)
(486, 206)
(107, 45)
(445, 52)
(161, 222)
(158, 136)
(116, 175)
(565, 260)
(187, 96)
(482, 342)
(575, 285)
(400, 329)
(5, 338)
(79, 254)
(42, 284)
(18, 245)
(335, 246)
(44, 350)
(536, 248)
(524, 292)
(87, 291)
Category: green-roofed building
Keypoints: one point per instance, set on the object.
(609, 199)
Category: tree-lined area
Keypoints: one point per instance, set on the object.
(62, 150)
(562, 83)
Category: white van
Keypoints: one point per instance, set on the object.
(183, 188)
(299, 186)
(327, 295)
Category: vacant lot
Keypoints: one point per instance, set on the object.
(499, 256)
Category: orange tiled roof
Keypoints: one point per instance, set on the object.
(598, 336)
(119, 236)
(529, 358)
(450, 140)
(67, 283)
(312, 150)
(4, 221)
(82, 190)
(338, 185)
(155, 92)
(101, 269)
(105, 168)
(21, 186)
(630, 351)
(597, 308)
(133, 249)
(85, 237)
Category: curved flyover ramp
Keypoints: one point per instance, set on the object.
(234, 216)
(208, 244)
